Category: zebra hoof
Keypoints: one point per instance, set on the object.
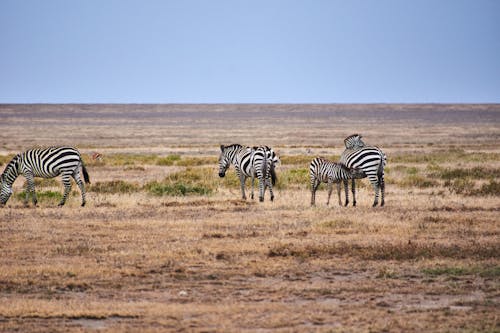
(354, 204)
(83, 204)
(382, 204)
(261, 199)
(272, 198)
(375, 204)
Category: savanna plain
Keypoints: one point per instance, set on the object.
(164, 244)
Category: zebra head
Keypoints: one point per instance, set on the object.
(224, 160)
(5, 191)
(357, 173)
(353, 141)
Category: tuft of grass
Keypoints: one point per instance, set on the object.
(415, 180)
(478, 172)
(387, 251)
(177, 189)
(192, 181)
(169, 160)
(50, 196)
(486, 272)
(197, 161)
(491, 188)
(114, 186)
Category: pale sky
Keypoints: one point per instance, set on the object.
(264, 51)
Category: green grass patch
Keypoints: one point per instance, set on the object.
(46, 196)
(177, 189)
(114, 186)
(293, 178)
(478, 172)
(197, 161)
(168, 160)
(191, 181)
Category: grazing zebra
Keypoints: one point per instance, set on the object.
(370, 159)
(324, 171)
(250, 162)
(45, 163)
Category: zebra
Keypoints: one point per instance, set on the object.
(322, 170)
(46, 163)
(251, 162)
(370, 159)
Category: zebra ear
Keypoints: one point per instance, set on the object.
(221, 147)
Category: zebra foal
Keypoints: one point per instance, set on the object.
(324, 171)
(45, 163)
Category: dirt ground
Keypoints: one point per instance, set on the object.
(131, 260)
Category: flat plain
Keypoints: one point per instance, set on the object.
(164, 244)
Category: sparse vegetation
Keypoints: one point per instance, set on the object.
(165, 244)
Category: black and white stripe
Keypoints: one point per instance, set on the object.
(370, 159)
(250, 162)
(322, 170)
(44, 163)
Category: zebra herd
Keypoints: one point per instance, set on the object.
(357, 161)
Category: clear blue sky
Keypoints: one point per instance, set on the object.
(264, 51)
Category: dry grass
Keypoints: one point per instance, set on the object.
(164, 244)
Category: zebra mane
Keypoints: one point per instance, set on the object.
(10, 166)
(352, 136)
(234, 145)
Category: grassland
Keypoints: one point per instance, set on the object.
(164, 244)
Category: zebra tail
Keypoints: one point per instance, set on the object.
(85, 173)
(274, 178)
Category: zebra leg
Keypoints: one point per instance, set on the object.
(30, 189)
(269, 183)
(382, 190)
(338, 194)
(253, 183)
(346, 189)
(330, 188)
(314, 187)
(353, 193)
(66, 180)
(78, 181)
(242, 184)
(376, 188)
(262, 189)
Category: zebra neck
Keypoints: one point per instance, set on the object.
(234, 153)
(11, 173)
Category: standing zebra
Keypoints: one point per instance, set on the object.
(370, 159)
(324, 171)
(45, 163)
(250, 162)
